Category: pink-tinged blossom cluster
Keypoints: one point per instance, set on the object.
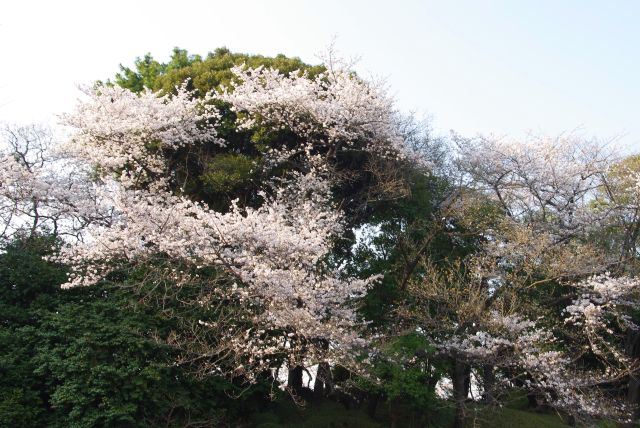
(533, 354)
(294, 304)
(42, 193)
(600, 308)
(602, 292)
(118, 129)
(331, 109)
(275, 251)
(549, 181)
(502, 335)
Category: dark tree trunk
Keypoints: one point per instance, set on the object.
(532, 400)
(318, 387)
(632, 349)
(323, 384)
(372, 404)
(460, 391)
(489, 382)
(294, 380)
(467, 381)
(393, 412)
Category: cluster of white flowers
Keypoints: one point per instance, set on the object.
(503, 333)
(600, 309)
(40, 192)
(532, 353)
(274, 251)
(118, 129)
(600, 294)
(332, 108)
(546, 180)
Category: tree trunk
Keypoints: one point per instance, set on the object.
(467, 381)
(632, 349)
(294, 380)
(489, 382)
(372, 404)
(323, 384)
(460, 391)
(393, 413)
(532, 401)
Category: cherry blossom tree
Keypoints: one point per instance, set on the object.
(620, 197)
(292, 306)
(549, 181)
(532, 302)
(42, 191)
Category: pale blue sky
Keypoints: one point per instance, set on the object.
(502, 67)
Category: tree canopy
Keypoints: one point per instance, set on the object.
(219, 229)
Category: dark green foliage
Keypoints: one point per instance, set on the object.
(227, 172)
(93, 357)
(28, 291)
(28, 284)
(208, 172)
(23, 398)
(398, 232)
(203, 74)
(104, 368)
(409, 372)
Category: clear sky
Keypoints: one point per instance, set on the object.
(502, 67)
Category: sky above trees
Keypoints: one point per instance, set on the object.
(490, 67)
